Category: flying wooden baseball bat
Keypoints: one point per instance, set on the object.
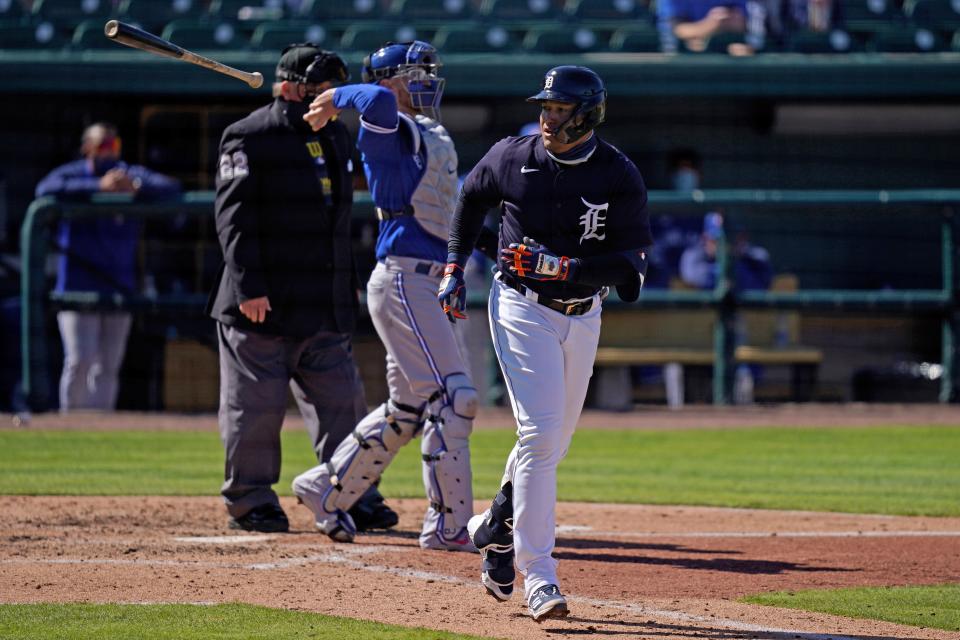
(139, 39)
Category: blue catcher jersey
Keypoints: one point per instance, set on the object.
(393, 171)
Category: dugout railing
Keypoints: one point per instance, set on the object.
(724, 300)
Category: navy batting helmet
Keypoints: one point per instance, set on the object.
(580, 86)
(418, 63)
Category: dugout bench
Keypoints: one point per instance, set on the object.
(682, 341)
(622, 337)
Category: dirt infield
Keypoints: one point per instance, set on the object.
(630, 571)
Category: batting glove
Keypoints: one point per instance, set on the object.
(453, 290)
(533, 260)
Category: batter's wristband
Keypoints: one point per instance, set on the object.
(458, 259)
(451, 268)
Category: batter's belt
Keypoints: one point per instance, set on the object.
(572, 308)
(416, 265)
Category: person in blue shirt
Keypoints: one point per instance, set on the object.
(411, 168)
(751, 263)
(695, 21)
(98, 254)
(751, 269)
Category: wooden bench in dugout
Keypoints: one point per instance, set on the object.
(660, 337)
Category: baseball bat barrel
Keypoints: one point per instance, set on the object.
(131, 36)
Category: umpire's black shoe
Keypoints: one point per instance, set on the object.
(371, 512)
(492, 534)
(267, 518)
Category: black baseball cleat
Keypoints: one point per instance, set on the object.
(266, 518)
(371, 512)
(548, 602)
(492, 533)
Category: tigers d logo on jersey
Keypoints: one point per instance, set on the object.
(594, 221)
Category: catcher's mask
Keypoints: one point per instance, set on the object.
(579, 86)
(418, 63)
(307, 64)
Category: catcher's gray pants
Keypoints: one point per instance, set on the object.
(93, 348)
(422, 357)
(422, 350)
(255, 370)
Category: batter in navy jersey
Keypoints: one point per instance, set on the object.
(574, 223)
(411, 167)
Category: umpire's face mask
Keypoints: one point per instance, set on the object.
(295, 113)
(297, 109)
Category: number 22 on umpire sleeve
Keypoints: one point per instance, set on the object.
(233, 166)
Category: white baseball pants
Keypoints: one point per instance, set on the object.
(547, 360)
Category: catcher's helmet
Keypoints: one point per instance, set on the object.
(418, 62)
(580, 86)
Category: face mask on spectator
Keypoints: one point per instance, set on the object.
(102, 165)
(686, 180)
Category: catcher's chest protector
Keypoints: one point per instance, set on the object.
(435, 198)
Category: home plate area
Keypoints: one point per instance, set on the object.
(627, 570)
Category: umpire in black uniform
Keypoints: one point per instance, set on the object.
(286, 295)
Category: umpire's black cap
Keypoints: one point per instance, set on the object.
(307, 63)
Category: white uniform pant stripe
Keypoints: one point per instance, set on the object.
(493, 313)
(416, 330)
(547, 359)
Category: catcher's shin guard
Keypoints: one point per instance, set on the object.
(492, 533)
(331, 489)
(313, 489)
(446, 467)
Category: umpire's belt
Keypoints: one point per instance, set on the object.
(573, 308)
(383, 214)
(403, 263)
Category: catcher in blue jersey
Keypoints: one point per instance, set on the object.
(411, 167)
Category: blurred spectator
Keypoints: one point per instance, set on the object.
(812, 15)
(685, 169)
(674, 233)
(11, 398)
(98, 254)
(695, 21)
(751, 264)
(771, 23)
(751, 269)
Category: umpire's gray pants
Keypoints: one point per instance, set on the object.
(255, 370)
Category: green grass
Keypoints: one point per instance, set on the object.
(937, 607)
(190, 622)
(888, 470)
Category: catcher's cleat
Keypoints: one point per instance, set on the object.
(492, 533)
(337, 523)
(460, 542)
(548, 602)
(266, 518)
(339, 529)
